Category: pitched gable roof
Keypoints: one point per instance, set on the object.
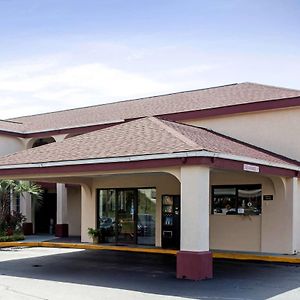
(146, 136)
(202, 99)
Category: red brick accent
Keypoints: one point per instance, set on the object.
(62, 230)
(194, 265)
(27, 228)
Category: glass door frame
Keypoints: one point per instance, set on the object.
(135, 214)
(136, 199)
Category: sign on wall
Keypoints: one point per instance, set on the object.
(251, 168)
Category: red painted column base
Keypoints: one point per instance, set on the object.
(194, 265)
(27, 228)
(62, 230)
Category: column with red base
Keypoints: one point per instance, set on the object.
(61, 227)
(194, 260)
(26, 210)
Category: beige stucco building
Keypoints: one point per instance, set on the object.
(210, 169)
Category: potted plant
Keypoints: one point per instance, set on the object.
(95, 234)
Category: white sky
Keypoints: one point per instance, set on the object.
(55, 56)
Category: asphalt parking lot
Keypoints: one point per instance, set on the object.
(46, 273)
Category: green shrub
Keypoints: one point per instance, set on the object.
(12, 238)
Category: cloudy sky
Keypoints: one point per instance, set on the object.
(59, 54)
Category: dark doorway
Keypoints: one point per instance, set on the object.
(45, 211)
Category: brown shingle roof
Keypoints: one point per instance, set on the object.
(11, 126)
(144, 136)
(222, 96)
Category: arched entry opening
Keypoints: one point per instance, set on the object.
(139, 209)
(45, 210)
(43, 141)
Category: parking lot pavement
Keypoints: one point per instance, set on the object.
(45, 273)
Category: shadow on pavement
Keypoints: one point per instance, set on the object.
(150, 273)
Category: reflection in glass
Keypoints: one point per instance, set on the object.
(249, 201)
(224, 201)
(107, 213)
(232, 200)
(146, 216)
(126, 215)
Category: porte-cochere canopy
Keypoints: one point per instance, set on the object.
(147, 141)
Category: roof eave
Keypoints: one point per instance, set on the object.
(154, 157)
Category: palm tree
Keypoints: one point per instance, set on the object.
(14, 188)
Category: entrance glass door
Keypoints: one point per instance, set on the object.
(126, 216)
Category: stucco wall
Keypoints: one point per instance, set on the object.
(277, 221)
(10, 145)
(275, 130)
(270, 232)
(74, 210)
(235, 233)
(164, 184)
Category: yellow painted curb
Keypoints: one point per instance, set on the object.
(87, 247)
(217, 255)
(245, 256)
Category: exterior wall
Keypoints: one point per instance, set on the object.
(265, 129)
(277, 222)
(164, 184)
(238, 233)
(269, 232)
(74, 210)
(10, 145)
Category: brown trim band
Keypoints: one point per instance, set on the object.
(233, 109)
(76, 130)
(12, 133)
(216, 163)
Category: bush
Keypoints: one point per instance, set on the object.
(12, 238)
(11, 223)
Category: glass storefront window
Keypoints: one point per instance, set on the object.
(127, 215)
(237, 200)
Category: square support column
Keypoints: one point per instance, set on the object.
(293, 197)
(13, 202)
(61, 227)
(88, 212)
(26, 210)
(194, 261)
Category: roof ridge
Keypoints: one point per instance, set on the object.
(174, 132)
(126, 100)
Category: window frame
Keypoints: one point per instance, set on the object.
(236, 187)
